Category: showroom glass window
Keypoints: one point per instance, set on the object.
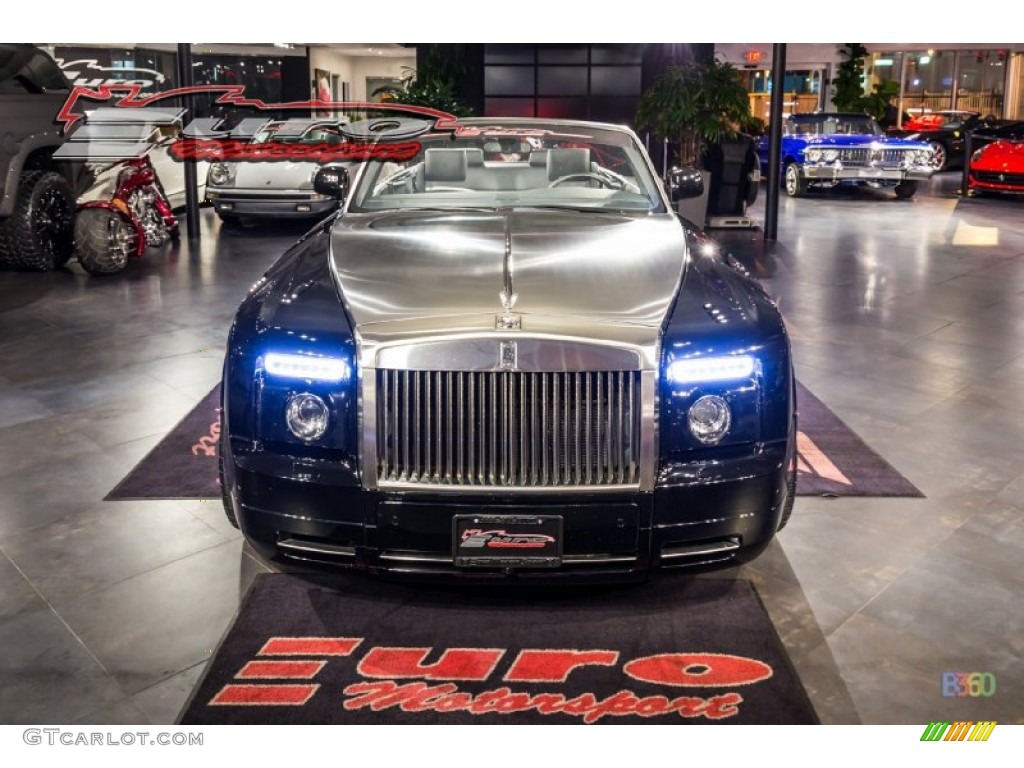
(595, 82)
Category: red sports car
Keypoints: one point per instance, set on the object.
(999, 165)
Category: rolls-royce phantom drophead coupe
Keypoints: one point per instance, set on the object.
(505, 356)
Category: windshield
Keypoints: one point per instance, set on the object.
(833, 125)
(512, 166)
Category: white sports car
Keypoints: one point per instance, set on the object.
(279, 188)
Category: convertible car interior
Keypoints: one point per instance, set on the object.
(538, 173)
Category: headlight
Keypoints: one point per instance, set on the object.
(709, 419)
(307, 416)
(700, 370)
(220, 173)
(307, 367)
(977, 155)
(814, 155)
(924, 156)
(830, 155)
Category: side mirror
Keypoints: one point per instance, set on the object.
(331, 180)
(684, 183)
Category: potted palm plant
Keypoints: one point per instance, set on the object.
(695, 105)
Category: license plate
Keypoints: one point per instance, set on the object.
(507, 541)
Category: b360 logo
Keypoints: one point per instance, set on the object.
(964, 684)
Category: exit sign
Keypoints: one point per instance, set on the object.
(753, 57)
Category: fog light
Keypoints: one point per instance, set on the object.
(303, 208)
(307, 416)
(709, 419)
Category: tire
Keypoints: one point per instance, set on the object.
(225, 495)
(39, 235)
(105, 241)
(905, 190)
(793, 181)
(941, 156)
(787, 508)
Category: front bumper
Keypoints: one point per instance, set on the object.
(279, 205)
(836, 173)
(1007, 186)
(692, 519)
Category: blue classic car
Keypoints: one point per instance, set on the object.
(826, 149)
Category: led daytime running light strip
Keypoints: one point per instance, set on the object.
(706, 369)
(306, 367)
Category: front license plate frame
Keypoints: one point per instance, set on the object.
(507, 541)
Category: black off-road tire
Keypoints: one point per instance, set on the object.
(905, 190)
(39, 234)
(94, 230)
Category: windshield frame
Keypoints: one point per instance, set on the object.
(651, 187)
(823, 120)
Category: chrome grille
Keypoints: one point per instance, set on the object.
(508, 429)
(857, 156)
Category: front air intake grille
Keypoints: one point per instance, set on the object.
(868, 156)
(508, 429)
(995, 177)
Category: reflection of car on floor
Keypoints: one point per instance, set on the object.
(272, 189)
(828, 149)
(945, 132)
(999, 165)
(522, 366)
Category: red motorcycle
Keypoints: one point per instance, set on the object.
(125, 212)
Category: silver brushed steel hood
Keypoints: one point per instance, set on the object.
(598, 277)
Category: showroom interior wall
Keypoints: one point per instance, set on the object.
(355, 70)
(118, 62)
(818, 60)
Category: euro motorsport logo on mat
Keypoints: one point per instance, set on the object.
(398, 678)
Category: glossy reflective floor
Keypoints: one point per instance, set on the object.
(907, 320)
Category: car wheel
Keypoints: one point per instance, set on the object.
(796, 184)
(940, 157)
(906, 190)
(787, 508)
(225, 494)
(39, 235)
(105, 240)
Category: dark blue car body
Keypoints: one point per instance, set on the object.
(829, 149)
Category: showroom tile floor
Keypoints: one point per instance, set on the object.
(907, 320)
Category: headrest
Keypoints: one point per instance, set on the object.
(474, 157)
(539, 159)
(567, 162)
(444, 165)
(507, 147)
